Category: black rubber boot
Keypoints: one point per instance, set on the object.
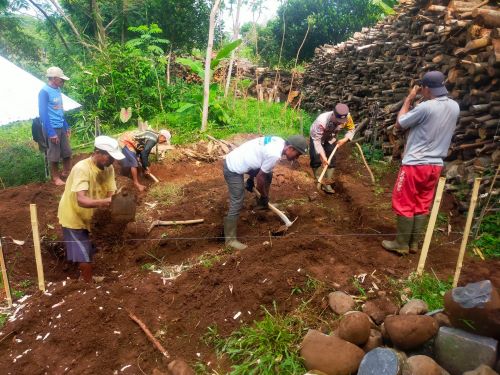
(403, 234)
(230, 229)
(419, 224)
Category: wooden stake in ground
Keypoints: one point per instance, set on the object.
(5, 277)
(366, 164)
(150, 336)
(430, 226)
(38, 250)
(470, 216)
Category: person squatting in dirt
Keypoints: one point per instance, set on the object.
(137, 145)
(256, 158)
(431, 125)
(55, 128)
(324, 134)
(90, 184)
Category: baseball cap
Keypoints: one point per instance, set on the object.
(298, 142)
(56, 72)
(434, 80)
(166, 134)
(110, 145)
(341, 111)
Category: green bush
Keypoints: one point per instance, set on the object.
(488, 240)
(21, 164)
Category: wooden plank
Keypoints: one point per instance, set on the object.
(468, 223)
(430, 226)
(5, 277)
(37, 247)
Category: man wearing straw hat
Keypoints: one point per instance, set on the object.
(431, 125)
(324, 137)
(55, 127)
(90, 185)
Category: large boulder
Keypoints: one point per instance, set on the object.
(475, 308)
(459, 351)
(410, 331)
(341, 302)
(423, 365)
(379, 308)
(355, 328)
(330, 354)
(383, 361)
(414, 307)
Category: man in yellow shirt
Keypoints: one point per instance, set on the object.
(90, 185)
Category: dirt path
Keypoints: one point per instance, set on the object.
(86, 330)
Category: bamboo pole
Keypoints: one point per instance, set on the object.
(470, 216)
(149, 335)
(38, 250)
(366, 164)
(5, 277)
(430, 226)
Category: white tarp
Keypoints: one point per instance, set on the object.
(19, 94)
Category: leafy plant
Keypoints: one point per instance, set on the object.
(488, 240)
(3, 319)
(427, 288)
(270, 346)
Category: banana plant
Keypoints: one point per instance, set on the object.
(219, 113)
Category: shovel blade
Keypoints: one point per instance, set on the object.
(123, 207)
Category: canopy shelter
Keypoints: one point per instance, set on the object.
(19, 94)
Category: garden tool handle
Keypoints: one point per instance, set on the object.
(326, 166)
(278, 212)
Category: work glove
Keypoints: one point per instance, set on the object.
(262, 203)
(249, 185)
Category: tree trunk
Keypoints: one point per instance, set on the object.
(208, 59)
(236, 32)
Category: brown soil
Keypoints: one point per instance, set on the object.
(81, 329)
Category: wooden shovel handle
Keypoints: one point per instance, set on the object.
(326, 166)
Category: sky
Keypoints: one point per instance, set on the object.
(269, 12)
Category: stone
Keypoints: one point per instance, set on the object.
(414, 307)
(481, 370)
(475, 308)
(442, 320)
(374, 341)
(341, 302)
(423, 365)
(382, 361)
(355, 328)
(179, 367)
(410, 331)
(458, 351)
(330, 354)
(379, 308)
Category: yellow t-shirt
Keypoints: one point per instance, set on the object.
(84, 176)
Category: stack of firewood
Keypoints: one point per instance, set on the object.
(373, 71)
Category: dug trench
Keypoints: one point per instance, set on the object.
(197, 283)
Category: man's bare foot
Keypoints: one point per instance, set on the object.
(58, 182)
(140, 187)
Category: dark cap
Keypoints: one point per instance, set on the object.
(298, 142)
(434, 80)
(340, 112)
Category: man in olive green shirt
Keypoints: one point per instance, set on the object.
(90, 185)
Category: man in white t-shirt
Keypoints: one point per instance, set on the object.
(256, 158)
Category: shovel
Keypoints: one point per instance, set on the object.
(283, 228)
(123, 206)
(320, 179)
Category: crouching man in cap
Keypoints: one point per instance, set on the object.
(90, 185)
(138, 145)
(256, 158)
(431, 125)
(324, 137)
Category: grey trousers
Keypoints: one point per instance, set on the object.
(236, 187)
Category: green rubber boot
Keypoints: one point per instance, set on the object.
(404, 231)
(328, 175)
(419, 224)
(230, 229)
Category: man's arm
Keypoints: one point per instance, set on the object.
(86, 202)
(264, 182)
(145, 153)
(408, 102)
(43, 112)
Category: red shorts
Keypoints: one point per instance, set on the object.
(414, 189)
